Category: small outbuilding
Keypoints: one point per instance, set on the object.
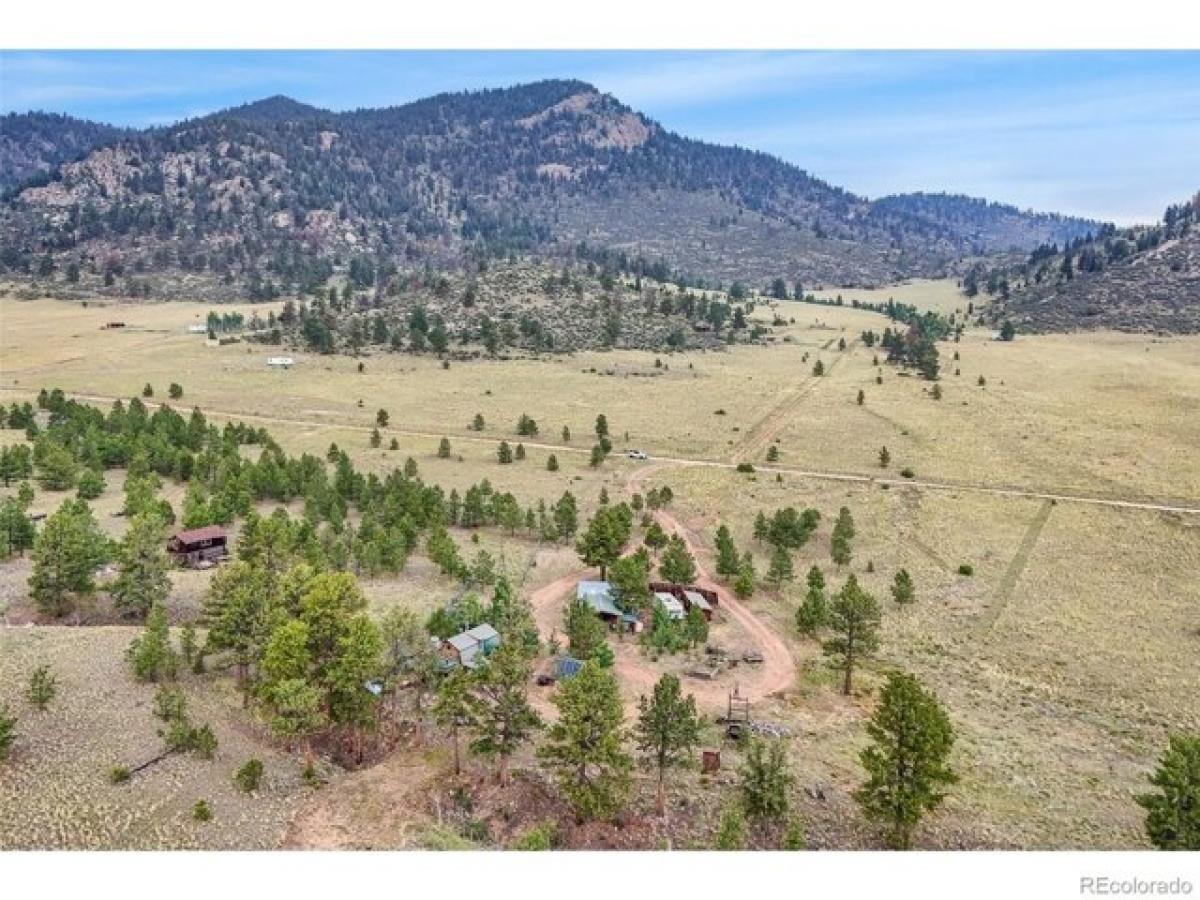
(689, 595)
(694, 598)
(599, 596)
(197, 547)
(280, 362)
(467, 648)
(673, 606)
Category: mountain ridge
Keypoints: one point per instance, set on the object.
(534, 168)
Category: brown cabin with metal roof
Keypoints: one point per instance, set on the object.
(199, 546)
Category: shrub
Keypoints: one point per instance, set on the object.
(249, 776)
(203, 742)
(476, 831)
(793, 837)
(540, 837)
(91, 485)
(8, 731)
(907, 472)
(731, 831)
(201, 811)
(745, 467)
(119, 774)
(966, 569)
(42, 687)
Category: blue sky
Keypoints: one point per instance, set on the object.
(1113, 135)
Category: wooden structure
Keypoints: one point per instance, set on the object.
(199, 546)
(710, 761)
(469, 647)
(689, 595)
(599, 596)
(737, 718)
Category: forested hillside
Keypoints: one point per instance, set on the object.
(1132, 279)
(281, 192)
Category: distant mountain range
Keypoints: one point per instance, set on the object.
(281, 190)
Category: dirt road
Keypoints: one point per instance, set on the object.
(1187, 506)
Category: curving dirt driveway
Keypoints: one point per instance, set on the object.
(777, 671)
(638, 674)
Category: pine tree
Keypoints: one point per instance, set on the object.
(677, 564)
(766, 780)
(142, 578)
(512, 616)
(885, 458)
(780, 569)
(602, 542)
(1173, 812)
(762, 528)
(151, 654)
(655, 538)
(502, 718)
(443, 451)
(586, 634)
(452, 708)
(843, 533)
(552, 463)
(17, 532)
(854, 619)
(91, 485)
(813, 613)
(902, 588)
(906, 763)
(56, 465)
(585, 746)
(566, 516)
(747, 579)
(667, 731)
(66, 555)
(235, 613)
(43, 687)
(728, 561)
(630, 580)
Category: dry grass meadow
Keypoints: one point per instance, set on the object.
(1064, 660)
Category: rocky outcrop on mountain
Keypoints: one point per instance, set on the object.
(33, 145)
(278, 190)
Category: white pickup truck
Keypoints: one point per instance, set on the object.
(636, 454)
